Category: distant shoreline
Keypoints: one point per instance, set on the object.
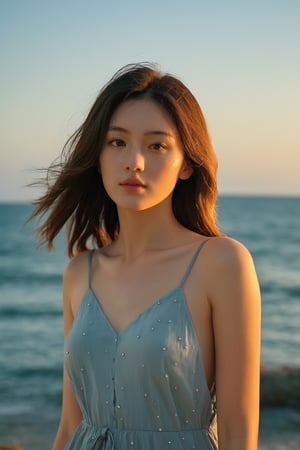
(262, 196)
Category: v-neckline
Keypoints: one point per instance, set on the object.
(138, 316)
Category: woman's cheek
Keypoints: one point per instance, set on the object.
(176, 162)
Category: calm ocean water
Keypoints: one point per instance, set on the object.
(31, 321)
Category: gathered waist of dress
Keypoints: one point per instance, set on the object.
(106, 438)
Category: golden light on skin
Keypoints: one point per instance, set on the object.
(176, 163)
(147, 142)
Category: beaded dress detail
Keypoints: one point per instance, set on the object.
(145, 387)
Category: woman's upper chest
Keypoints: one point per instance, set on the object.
(124, 290)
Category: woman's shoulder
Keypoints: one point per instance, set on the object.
(79, 266)
(225, 260)
(229, 270)
(76, 280)
(224, 251)
(76, 265)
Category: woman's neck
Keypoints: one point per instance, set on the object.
(150, 229)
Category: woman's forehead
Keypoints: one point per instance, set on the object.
(142, 113)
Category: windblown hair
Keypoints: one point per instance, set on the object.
(75, 195)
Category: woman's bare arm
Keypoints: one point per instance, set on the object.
(71, 414)
(235, 298)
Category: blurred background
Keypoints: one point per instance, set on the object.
(241, 61)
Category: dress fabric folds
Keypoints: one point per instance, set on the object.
(145, 387)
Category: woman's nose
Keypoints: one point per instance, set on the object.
(135, 162)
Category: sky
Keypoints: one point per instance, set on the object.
(239, 58)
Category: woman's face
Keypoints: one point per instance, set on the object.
(142, 157)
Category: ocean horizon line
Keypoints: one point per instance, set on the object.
(220, 195)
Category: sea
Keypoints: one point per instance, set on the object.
(31, 328)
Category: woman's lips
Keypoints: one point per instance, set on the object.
(132, 185)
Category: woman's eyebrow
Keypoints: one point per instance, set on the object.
(156, 132)
(115, 128)
(159, 132)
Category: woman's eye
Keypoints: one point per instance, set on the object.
(158, 146)
(117, 142)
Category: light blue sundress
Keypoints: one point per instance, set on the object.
(145, 387)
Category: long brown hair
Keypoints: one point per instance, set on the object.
(75, 195)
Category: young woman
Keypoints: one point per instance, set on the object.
(162, 318)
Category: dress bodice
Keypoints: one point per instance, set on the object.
(143, 388)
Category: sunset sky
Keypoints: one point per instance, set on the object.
(239, 58)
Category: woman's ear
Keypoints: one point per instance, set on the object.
(186, 170)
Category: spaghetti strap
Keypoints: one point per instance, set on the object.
(189, 268)
(100, 359)
(90, 256)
